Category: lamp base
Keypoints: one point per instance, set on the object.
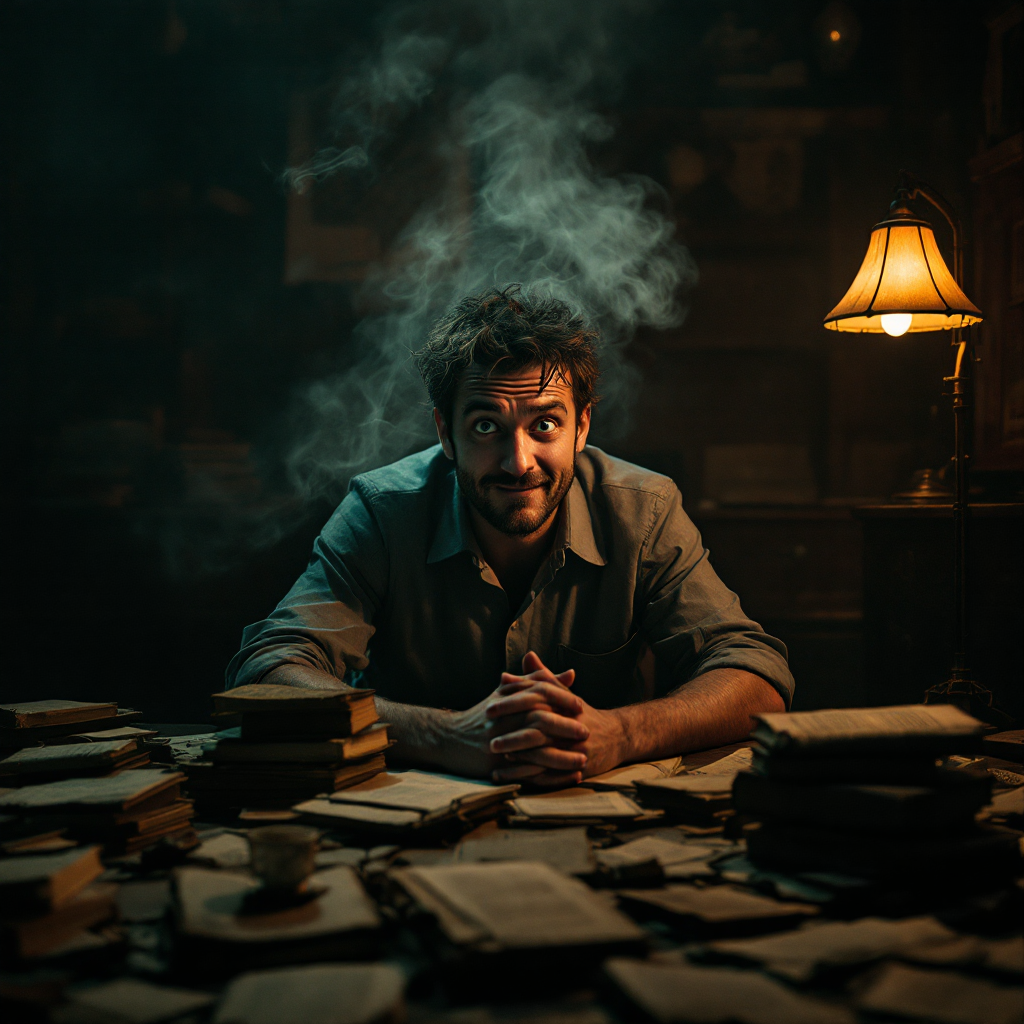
(966, 693)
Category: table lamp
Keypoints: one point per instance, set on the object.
(904, 286)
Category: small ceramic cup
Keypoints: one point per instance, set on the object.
(283, 855)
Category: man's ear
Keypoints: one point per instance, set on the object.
(443, 435)
(583, 428)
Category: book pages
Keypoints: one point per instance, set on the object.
(941, 996)
(722, 903)
(626, 775)
(418, 791)
(66, 755)
(578, 804)
(810, 729)
(665, 852)
(210, 904)
(671, 993)
(738, 761)
(526, 905)
(359, 813)
(319, 994)
(693, 784)
(565, 849)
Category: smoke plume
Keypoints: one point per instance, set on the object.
(522, 82)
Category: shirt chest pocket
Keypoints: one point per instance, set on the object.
(608, 679)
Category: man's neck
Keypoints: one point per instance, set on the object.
(515, 560)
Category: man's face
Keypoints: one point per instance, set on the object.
(514, 444)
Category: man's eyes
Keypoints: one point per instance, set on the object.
(484, 428)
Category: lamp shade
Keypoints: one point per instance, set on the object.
(903, 273)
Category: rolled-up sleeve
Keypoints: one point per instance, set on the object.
(326, 620)
(691, 620)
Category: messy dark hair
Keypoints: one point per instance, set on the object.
(505, 329)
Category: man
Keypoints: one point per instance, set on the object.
(558, 599)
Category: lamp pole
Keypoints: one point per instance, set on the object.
(961, 688)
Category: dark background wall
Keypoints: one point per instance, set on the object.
(155, 332)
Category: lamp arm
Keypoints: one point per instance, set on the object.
(915, 187)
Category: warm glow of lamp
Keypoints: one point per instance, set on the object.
(903, 284)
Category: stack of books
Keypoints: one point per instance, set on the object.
(864, 792)
(48, 901)
(292, 744)
(125, 813)
(35, 722)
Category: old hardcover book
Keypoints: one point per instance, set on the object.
(672, 993)
(867, 808)
(676, 860)
(12, 738)
(319, 724)
(37, 936)
(39, 883)
(121, 732)
(915, 858)
(133, 789)
(273, 698)
(704, 799)
(409, 800)
(934, 729)
(35, 713)
(1008, 745)
(494, 908)
(226, 926)
(328, 751)
(915, 770)
(71, 758)
(317, 994)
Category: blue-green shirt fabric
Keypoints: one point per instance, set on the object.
(398, 594)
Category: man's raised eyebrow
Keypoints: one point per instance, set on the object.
(484, 405)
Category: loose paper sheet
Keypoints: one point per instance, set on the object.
(140, 1002)
(226, 850)
(649, 848)
(940, 996)
(799, 954)
(694, 784)
(672, 993)
(320, 994)
(359, 813)
(527, 905)
(718, 904)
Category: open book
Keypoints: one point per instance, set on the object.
(405, 800)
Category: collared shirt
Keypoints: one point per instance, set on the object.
(398, 590)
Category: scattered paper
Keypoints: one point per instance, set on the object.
(738, 761)
(674, 994)
(577, 804)
(799, 955)
(940, 996)
(139, 1002)
(677, 860)
(565, 849)
(320, 994)
(626, 775)
(413, 790)
(716, 905)
(227, 850)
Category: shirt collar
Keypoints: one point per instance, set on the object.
(454, 533)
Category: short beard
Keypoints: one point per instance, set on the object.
(513, 519)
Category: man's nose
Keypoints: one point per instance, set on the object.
(518, 460)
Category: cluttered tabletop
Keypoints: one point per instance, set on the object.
(840, 866)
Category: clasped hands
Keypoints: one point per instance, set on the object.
(541, 732)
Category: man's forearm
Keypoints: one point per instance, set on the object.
(709, 711)
(433, 737)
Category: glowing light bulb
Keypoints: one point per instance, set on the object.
(835, 35)
(896, 324)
